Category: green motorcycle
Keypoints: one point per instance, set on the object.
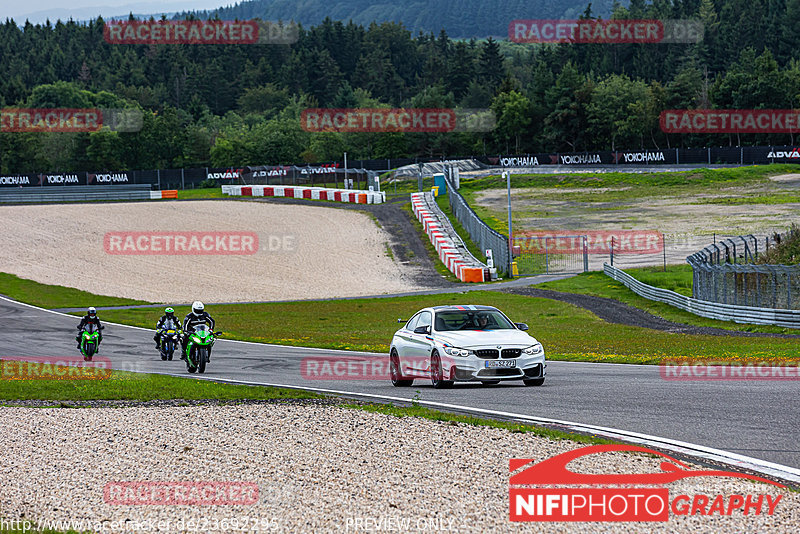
(90, 341)
(198, 348)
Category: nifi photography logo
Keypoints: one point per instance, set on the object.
(540, 493)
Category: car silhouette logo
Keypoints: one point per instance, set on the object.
(554, 470)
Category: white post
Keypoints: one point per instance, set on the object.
(510, 240)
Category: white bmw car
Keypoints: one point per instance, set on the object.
(465, 343)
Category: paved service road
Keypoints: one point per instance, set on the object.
(753, 418)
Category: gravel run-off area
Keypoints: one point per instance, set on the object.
(318, 467)
(304, 251)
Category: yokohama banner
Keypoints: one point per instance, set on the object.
(178, 178)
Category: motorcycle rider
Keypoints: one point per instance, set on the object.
(169, 316)
(196, 317)
(90, 318)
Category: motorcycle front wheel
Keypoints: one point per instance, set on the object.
(202, 358)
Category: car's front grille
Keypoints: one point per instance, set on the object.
(487, 354)
(511, 353)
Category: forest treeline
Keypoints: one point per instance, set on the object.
(459, 18)
(226, 105)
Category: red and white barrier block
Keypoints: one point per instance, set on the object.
(463, 266)
(313, 193)
(167, 193)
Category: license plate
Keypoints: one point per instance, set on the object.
(493, 364)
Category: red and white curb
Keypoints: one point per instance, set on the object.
(463, 267)
(313, 193)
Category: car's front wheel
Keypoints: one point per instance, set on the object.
(437, 373)
(533, 381)
(394, 371)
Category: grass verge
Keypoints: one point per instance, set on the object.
(124, 385)
(677, 278)
(53, 296)
(201, 194)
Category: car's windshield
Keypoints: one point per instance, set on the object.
(472, 320)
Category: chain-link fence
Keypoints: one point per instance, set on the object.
(486, 238)
(551, 254)
(724, 272)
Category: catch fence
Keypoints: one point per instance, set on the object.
(725, 272)
(481, 234)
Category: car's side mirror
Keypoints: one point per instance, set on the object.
(401, 320)
(522, 326)
(422, 330)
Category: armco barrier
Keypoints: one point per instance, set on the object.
(314, 193)
(703, 308)
(80, 193)
(451, 249)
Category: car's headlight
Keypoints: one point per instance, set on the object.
(533, 349)
(455, 351)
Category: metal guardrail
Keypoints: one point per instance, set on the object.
(480, 232)
(76, 193)
(711, 310)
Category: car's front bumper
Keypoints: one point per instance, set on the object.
(473, 368)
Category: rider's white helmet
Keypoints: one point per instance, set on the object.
(197, 307)
(92, 311)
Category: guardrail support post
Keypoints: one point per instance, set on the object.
(612, 250)
(788, 291)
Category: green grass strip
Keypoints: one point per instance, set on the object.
(677, 278)
(53, 296)
(124, 385)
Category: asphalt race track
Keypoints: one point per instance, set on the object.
(753, 418)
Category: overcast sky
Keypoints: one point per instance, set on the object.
(39, 10)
